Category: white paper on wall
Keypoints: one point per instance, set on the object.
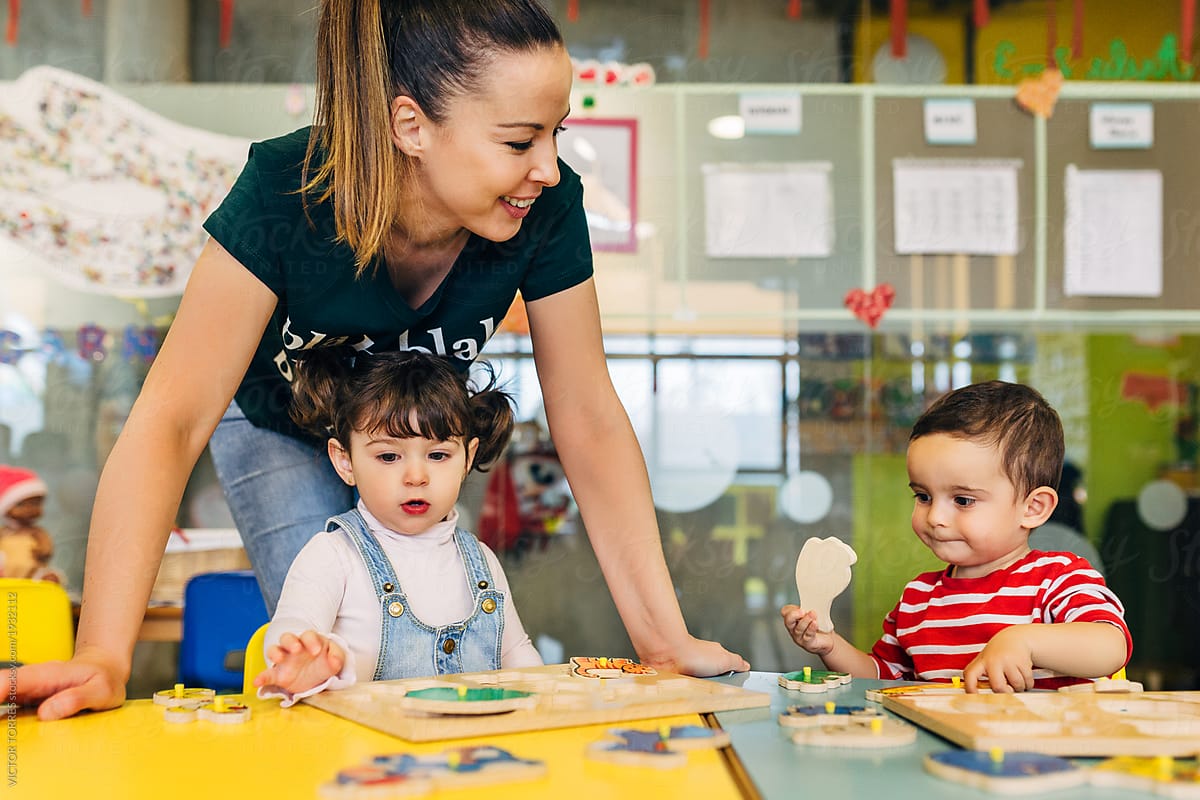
(1113, 236)
(782, 210)
(954, 206)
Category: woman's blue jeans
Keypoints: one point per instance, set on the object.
(280, 491)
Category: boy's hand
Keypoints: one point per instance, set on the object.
(1006, 662)
(802, 627)
(301, 662)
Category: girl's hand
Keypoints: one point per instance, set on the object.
(1006, 662)
(301, 662)
(802, 627)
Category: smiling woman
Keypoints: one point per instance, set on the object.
(426, 194)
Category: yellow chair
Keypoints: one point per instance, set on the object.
(38, 621)
(255, 661)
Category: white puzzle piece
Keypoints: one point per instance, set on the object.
(822, 573)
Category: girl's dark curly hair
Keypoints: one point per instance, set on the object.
(401, 394)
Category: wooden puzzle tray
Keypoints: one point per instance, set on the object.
(560, 700)
(1062, 724)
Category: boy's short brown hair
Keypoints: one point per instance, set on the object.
(1010, 416)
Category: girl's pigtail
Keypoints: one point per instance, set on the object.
(492, 425)
(318, 375)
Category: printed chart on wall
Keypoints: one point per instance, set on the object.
(1113, 239)
(780, 210)
(953, 206)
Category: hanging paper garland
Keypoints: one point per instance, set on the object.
(794, 9)
(1051, 31)
(139, 343)
(1077, 31)
(53, 346)
(226, 22)
(702, 45)
(982, 14)
(899, 14)
(14, 14)
(1187, 28)
(572, 10)
(91, 342)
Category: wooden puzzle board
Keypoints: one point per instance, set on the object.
(563, 701)
(1062, 724)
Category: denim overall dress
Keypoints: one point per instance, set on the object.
(408, 647)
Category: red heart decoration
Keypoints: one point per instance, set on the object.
(869, 306)
(612, 74)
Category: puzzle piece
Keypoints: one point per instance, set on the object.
(828, 714)
(934, 688)
(407, 774)
(861, 732)
(588, 667)
(181, 696)
(1104, 686)
(219, 710)
(466, 700)
(822, 572)
(1007, 773)
(664, 748)
(1161, 775)
(812, 681)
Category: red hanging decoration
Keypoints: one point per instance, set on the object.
(794, 9)
(226, 22)
(1077, 31)
(899, 14)
(14, 14)
(983, 13)
(87, 8)
(1051, 32)
(572, 10)
(702, 45)
(1187, 28)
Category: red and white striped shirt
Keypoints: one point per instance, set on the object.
(941, 623)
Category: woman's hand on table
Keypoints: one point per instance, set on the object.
(696, 657)
(64, 688)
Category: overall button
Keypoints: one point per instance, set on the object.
(387, 587)
(395, 608)
(483, 584)
(448, 646)
(489, 606)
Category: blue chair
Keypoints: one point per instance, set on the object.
(221, 610)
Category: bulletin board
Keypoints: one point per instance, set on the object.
(829, 133)
(956, 282)
(1067, 143)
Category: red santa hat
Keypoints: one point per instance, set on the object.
(17, 484)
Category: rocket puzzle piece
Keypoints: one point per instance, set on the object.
(664, 748)
(588, 667)
(406, 774)
(822, 572)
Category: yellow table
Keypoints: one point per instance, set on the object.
(132, 753)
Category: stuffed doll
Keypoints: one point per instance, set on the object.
(25, 547)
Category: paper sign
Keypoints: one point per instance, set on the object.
(780, 210)
(950, 121)
(954, 206)
(770, 112)
(1113, 237)
(1115, 126)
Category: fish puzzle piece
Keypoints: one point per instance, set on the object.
(822, 573)
(873, 732)
(1007, 773)
(1161, 775)
(813, 681)
(181, 696)
(588, 667)
(400, 774)
(829, 714)
(664, 748)
(466, 700)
